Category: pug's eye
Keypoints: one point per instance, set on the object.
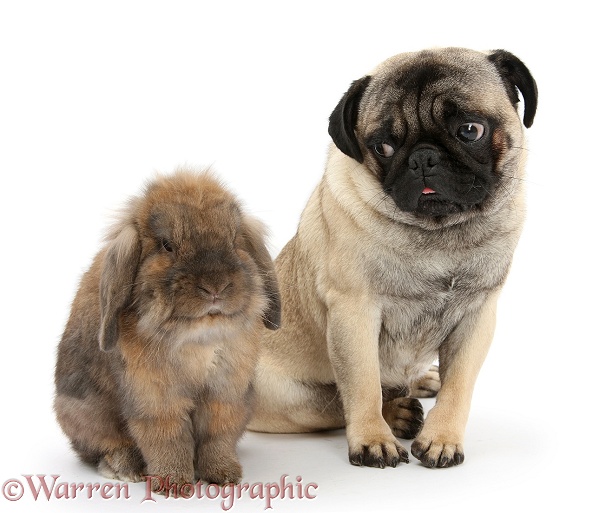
(166, 245)
(470, 132)
(384, 150)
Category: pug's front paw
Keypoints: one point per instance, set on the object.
(438, 453)
(376, 449)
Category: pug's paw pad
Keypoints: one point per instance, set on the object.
(405, 417)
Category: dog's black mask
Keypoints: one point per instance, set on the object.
(430, 182)
(429, 179)
(442, 160)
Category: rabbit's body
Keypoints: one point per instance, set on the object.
(177, 300)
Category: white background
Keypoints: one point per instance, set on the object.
(97, 96)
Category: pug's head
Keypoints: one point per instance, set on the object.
(439, 130)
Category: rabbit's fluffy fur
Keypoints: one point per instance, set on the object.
(155, 365)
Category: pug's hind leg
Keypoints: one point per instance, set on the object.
(291, 406)
(428, 385)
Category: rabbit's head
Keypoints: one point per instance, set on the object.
(186, 261)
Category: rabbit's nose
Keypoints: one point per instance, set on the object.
(214, 292)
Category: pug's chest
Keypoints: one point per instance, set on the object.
(426, 314)
(423, 299)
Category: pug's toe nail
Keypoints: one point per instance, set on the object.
(458, 458)
(444, 462)
(419, 449)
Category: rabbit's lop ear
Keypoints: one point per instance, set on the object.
(116, 282)
(254, 234)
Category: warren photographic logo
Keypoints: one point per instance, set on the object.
(43, 487)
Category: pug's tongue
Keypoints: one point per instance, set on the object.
(428, 190)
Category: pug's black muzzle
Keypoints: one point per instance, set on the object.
(432, 183)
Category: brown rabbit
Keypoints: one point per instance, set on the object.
(156, 362)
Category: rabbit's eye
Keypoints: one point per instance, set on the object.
(166, 245)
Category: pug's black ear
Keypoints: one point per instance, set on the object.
(516, 75)
(342, 121)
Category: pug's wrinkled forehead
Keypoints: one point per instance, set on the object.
(431, 84)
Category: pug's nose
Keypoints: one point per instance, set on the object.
(423, 160)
